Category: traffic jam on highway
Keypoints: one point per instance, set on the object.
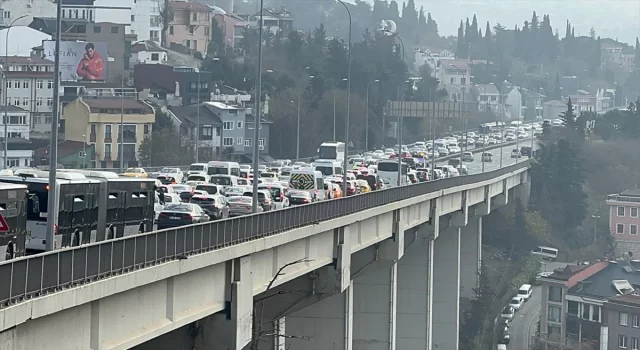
(93, 205)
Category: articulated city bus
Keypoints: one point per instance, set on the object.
(13, 203)
(89, 206)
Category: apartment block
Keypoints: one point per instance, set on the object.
(624, 221)
(29, 86)
(190, 25)
(582, 306)
(96, 121)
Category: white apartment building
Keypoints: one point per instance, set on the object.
(432, 58)
(148, 52)
(17, 121)
(13, 9)
(30, 87)
(145, 20)
(454, 72)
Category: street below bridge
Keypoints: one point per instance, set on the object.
(525, 322)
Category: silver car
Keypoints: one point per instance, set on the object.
(241, 205)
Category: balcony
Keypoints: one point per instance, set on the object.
(621, 198)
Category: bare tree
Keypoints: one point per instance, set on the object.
(258, 304)
(165, 18)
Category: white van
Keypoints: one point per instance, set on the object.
(525, 291)
(198, 168)
(328, 168)
(547, 253)
(310, 181)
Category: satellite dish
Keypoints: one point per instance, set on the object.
(388, 27)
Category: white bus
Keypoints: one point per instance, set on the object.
(331, 150)
(223, 168)
(13, 204)
(388, 172)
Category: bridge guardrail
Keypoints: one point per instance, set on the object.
(49, 272)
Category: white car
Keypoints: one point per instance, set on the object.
(454, 149)
(510, 137)
(507, 313)
(175, 173)
(516, 303)
(515, 153)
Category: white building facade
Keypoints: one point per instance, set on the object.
(29, 86)
(146, 22)
(13, 9)
(431, 58)
(17, 123)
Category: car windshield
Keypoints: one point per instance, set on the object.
(169, 170)
(325, 170)
(133, 170)
(196, 167)
(221, 180)
(275, 191)
(196, 178)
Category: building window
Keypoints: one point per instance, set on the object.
(25, 101)
(555, 293)
(191, 29)
(227, 141)
(635, 343)
(107, 150)
(155, 57)
(620, 211)
(622, 341)
(9, 84)
(107, 131)
(635, 321)
(133, 18)
(114, 30)
(47, 120)
(147, 129)
(40, 84)
(206, 133)
(25, 84)
(7, 14)
(195, 16)
(49, 101)
(227, 126)
(16, 101)
(12, 162)
(634, 212)
(239, 141)
(620, 229)
(50, 84)
(97, 29)
(38, 120)
(171, 30)
(554, 313)
(572, 308)
(247, 142)
(633, 229)
(261, 144)
(239, 125)
(206, 31)
(624, 319)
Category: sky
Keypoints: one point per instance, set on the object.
(610, 18)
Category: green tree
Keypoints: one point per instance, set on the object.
(476, 319)
(165, 147)
(216, 45)
(568, 117)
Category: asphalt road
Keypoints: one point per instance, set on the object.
(476, 166)
(525, 322)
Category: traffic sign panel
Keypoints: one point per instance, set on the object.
(4, 227)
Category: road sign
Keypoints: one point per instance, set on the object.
(4, 227)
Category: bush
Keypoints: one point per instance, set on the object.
(530, 268)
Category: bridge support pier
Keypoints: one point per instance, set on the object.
(446, 290)
(470, 256)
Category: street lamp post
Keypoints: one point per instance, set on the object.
(298, 122)
(6, 93)
(595, 230)
(346, 122)
(198, 119)
(366, 130)
(53, 154)
(121, 133)
(256, 123)
(84, 149)
(333, 87)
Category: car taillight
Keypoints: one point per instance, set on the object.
(187, 217)
(163, 215)
(305, 201)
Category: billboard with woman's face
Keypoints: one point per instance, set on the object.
(80, 60)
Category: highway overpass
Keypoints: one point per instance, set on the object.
(383, 270)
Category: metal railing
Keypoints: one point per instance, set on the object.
(35, 275)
